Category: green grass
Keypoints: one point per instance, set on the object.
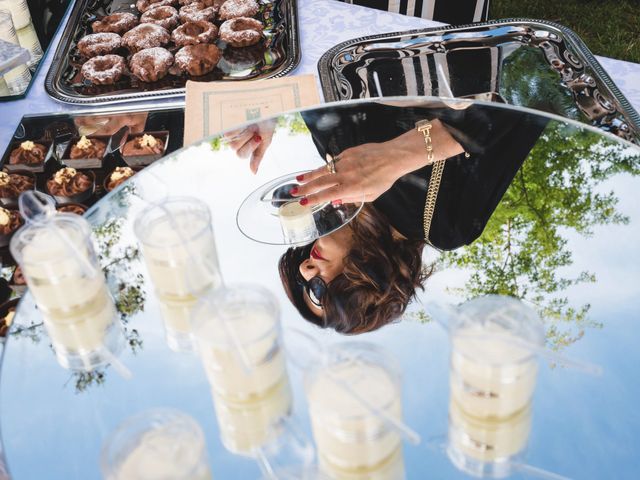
(610, 28)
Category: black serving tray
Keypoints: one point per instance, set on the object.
(276, 56)
(60, 129)
(524, 62)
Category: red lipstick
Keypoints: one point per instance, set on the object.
(315, 253)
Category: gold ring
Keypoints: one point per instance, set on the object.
(331, 165)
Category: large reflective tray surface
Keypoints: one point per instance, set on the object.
(563, 238)
(276, 55)
(529, 63)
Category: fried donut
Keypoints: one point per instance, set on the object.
(199, 59)
(104, 70)
(151, 64)
(166, 17)
(192, 33)
(96, 44)
(238, 8)
(145, 35)
(144, 5)
(241, 32)
(119, 22)
(196, 12)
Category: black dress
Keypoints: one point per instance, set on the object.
(497, 139)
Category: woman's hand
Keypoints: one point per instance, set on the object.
(252, 142)
(365, 172)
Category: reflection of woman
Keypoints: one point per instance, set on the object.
(363, 276)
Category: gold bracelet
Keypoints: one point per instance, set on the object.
(424, 127)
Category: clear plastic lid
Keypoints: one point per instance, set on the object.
(12, 56)
(49, 238)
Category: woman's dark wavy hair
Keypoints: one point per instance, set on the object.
(380, 277)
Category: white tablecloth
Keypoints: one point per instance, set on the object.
(322, 24)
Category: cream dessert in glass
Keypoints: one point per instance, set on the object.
(391, 469)
(179, 250)
(486, 447)
(246, 426)
(69, 288)
(238, 337)
(493, 361)
(297, 222)
(350, 436)
(489, 377)
(159, 444)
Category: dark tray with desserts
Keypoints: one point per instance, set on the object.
(530, 63)
(123, 142)
(275, 55)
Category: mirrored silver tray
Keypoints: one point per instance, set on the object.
(529, 63)
(277, 55)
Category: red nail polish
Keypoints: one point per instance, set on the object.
(304, 201)
(300, 178)
(294, 190)
(257, 138)
(336, 203)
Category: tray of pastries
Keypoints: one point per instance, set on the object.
(77, 159)
(123, 50)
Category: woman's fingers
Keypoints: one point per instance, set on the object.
(246, 150)
(240, 140)
(327, 195)
(258, 153)
(312, 175)
(314, 186)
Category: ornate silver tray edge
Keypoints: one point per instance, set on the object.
(615, 96)
(54, 73)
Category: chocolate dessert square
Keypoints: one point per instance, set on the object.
(86, 151)
(140, 150)
(117, 177)
(69, 185)
(12, 184)
(10, 222)
(30, 155)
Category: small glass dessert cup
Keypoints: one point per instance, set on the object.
(117, 178)
(145, 148)
(86, 151)
(13, 184)
(297, 222)
(391, 469)
(28, 155)
(158, 444)
(247, 426)
(62, 272)
(68, 185)
(351, 437)
(487, 448)
(10, 221)
(180, 253)
(493, 366)
(238, 334)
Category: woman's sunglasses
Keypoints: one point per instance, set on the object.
(315, 288)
